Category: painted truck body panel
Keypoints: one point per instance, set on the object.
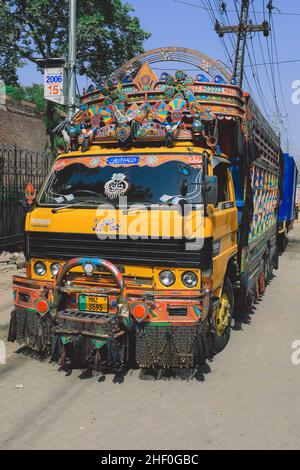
(287, 209)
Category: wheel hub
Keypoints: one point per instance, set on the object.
(222, 315)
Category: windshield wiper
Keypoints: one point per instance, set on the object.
(79, 204)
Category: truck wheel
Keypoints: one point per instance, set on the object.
(276, 259)
(282, 242)
(223, 317)
(268, 267)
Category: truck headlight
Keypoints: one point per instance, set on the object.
(40, 268)
(167, 278)
(54, 268)
(189, 279)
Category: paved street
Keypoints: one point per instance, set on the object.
(247, 398)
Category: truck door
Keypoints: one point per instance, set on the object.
(224, 223)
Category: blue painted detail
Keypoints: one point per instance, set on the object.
(113, 303)
(287, 210)
(219, 79)
(238, 186)
(202, 78)
(197, 311)
(127, 79)
(122, 160)
(164, 75)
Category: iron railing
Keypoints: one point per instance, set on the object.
(18, 167)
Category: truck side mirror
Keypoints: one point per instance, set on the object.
(211, 190)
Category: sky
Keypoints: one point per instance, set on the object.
(173, 23)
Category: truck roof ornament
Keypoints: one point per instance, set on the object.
(137, 105)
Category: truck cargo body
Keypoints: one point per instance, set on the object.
(287, 209)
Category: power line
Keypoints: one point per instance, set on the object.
(276, 62)
(256, 78)
(232, 11)
(242, 29)
(260, 64)
(274, 41)
(261, 48)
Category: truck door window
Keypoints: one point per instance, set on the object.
(220, 171)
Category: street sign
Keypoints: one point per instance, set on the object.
(54, 84)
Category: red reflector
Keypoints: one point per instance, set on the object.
(139, 311)
(41, 306)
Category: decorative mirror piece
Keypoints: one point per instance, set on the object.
(116, 187)
(30, 194)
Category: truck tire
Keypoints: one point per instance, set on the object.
(268, 266)
(223, 317)
(276, 259)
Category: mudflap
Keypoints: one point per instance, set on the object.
(172, 346)
(74, 346)
(32, 330)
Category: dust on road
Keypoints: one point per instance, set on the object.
(246, 398)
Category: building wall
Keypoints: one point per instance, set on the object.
(23, 125)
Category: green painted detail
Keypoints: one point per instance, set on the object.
(197, 311)
(29, 309)
(99, 343)
(127, 322)
(67, 339)
(153, 325)
(82, 302)
(42, 314)
(152, 313)
(14, 294)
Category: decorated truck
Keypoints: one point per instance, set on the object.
(157, 229)
(287, 210)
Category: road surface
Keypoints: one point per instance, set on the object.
(246, 398)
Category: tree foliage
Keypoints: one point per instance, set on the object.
(108, 33)
(10, 58)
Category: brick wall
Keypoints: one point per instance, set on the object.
(23, 125)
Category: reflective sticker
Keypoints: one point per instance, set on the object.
(165, 198)
(122, 160)
(69, 197)
(116, 187)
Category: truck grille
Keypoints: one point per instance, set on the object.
(160, 252)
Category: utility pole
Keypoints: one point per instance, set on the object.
(242, 29)
(72, 59)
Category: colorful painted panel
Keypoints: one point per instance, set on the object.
(265, 199)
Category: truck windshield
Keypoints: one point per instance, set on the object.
(160, 184)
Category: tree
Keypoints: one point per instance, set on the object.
(9, 56)
(107, 34)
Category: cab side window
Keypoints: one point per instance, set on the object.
(220, 171)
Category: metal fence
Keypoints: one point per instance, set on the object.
(18, 167)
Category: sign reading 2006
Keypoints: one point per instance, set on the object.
(122, 160)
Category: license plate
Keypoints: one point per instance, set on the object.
(93, 303)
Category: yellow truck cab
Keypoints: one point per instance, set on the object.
(143, 240)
